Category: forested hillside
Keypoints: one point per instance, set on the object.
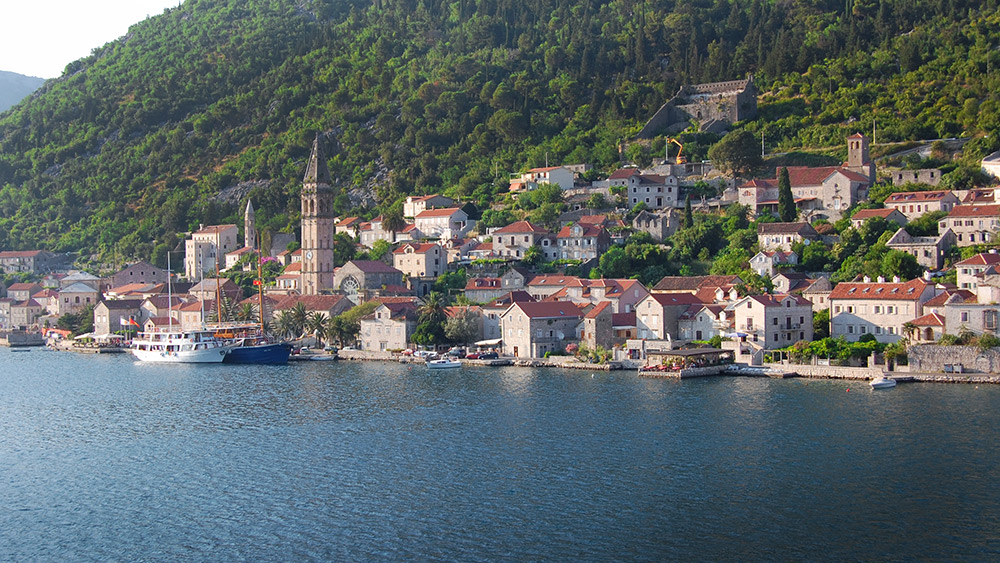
(134, 142)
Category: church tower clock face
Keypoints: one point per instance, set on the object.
(309, 255)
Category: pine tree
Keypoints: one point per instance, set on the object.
(786, 203)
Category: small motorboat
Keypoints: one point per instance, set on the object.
(444, 363)
(882, 382)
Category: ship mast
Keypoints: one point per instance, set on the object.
(260, 285)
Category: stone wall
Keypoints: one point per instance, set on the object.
(934, 358)
(829, 372)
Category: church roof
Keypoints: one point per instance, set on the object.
(316, 170)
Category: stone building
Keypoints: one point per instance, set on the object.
(318, 224)
(930, 252)
(888, 214)
(773, 321)
(714, 106)
(658, 225)
(206, 250)
(915, 204)
(389, 327)
(929, 176)
(880, 308)
(972, 224)
(530, 329)
(582, 242)
(32, 261)
(113, 316)
(515, 239)
(359, 279)
(140, 272)
(781, 236)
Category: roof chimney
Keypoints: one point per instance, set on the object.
(993, 251)
(880, 279)
(866, 279)
(895, 279)
(927, 275)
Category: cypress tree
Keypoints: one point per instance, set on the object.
(688, 214)
(786, 203)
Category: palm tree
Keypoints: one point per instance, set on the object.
(284, 325)
(433, 308)
(299, 317)
(246, 313)
(392, 220)
(316, 325)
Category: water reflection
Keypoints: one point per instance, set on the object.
(106, 459)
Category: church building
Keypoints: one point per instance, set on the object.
(318, 224)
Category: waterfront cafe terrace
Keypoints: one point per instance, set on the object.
(683, 358)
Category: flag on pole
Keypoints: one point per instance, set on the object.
(132, 322)
(123, 321)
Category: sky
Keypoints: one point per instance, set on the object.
(40, 37)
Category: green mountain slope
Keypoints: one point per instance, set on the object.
(136, 141)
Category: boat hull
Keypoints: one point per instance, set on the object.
(208, 356)
(443, 365)
(883, 383)
(274, 354)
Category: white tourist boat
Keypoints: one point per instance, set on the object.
(444, 363)
(176, 346)
(180, 347)
(882, 382)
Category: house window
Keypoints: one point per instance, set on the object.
(990, 320)
(965, 316)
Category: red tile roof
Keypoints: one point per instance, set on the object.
(588, 231)
(482, 283)
(418, 248)
(975, 211)
(863, 214)
(23, 286)
(521, 227)
(804, 229)
(981, 259)
(440, 212)
(214, 229)
(310, 302)
(673, 299)
(598, 309)
(553, 279)
(940, 299)
(905, 197)
(623, 173)
(693, 283)
(623, 319)
(930, 319)
(549, 309)
(20, 253)
(904, 291)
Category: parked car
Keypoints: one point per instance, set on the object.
(472, 356)
(489, 356)
(457, 352)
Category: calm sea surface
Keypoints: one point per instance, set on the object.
(104, 459)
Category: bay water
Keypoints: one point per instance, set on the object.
(102, 458)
